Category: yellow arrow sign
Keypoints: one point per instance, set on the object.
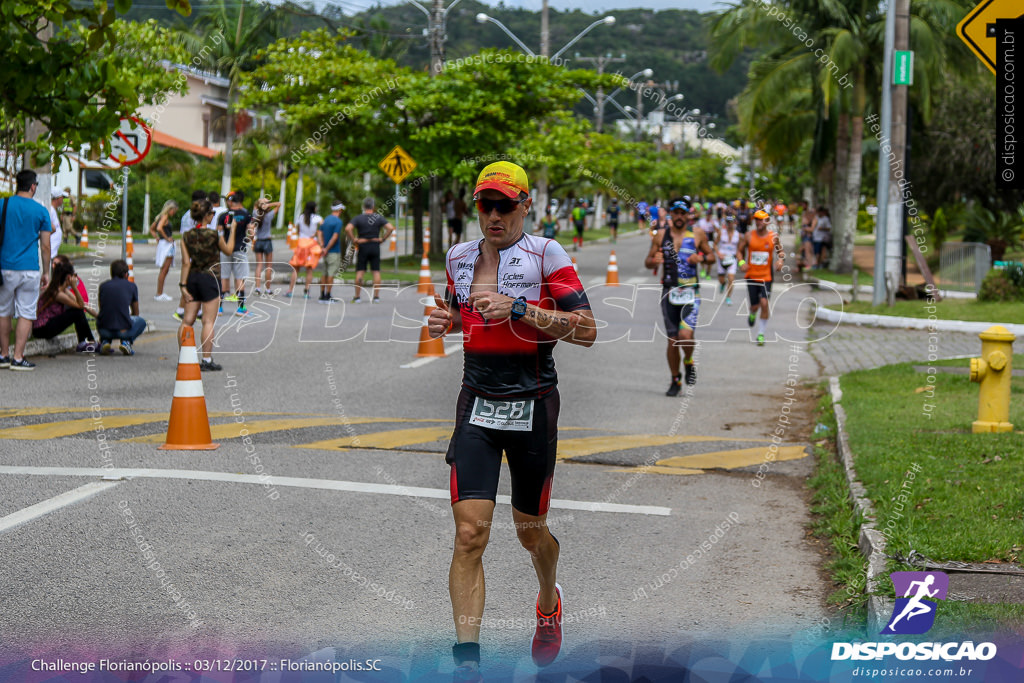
(397, 164)
(974, 31)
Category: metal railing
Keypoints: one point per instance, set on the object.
(963, 265)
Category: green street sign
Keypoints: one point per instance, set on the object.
(903, 68)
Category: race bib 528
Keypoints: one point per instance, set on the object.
(515, 416)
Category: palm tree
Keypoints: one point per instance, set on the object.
(229, 35)
(792, 96)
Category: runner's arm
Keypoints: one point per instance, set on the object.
(388, 229)
(654, 257)
(577, 327)
(443, 319)
(228, 246)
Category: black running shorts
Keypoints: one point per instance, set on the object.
(369, 255)
(202, 286)
(758, 290)
(475, 456)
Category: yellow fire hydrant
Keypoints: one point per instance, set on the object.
(993, 371)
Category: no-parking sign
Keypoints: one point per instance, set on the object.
(130, 142)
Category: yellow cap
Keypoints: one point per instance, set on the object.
(505, 177)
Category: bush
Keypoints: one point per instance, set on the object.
(865, 222)
(999, 285)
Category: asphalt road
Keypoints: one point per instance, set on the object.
(679, 519)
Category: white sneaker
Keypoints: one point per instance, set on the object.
(162, 297)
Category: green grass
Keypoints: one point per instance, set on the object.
(836, 523)
(72, 249)
(839, 278)
(947, 309)
(1017, 362)
(965, 502)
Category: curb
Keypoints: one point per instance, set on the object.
(868, 289)
(871, 542)
(894, 321)
(62, 343)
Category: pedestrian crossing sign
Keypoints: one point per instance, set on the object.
(397, 164)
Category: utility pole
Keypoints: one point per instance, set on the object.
(640, 107)
(600, 62)
(437, 36)
(545, 39)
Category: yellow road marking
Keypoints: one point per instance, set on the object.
(24, 412)
(53, 430)
(232, 430)
(385, 440)
(733, 459)
(589, 445)
(656, 469)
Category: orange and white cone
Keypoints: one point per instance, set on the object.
(189, 426)
(429, 348)
(292, 238)
(393, 246)
(131, 268)
(129, 243)
(574, 265)
(85, 236)
(612, 279)
(426, 241)
(425, 286)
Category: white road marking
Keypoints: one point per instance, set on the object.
(302, 482)
(448, 350)
(47, 506)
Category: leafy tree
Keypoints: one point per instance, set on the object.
(77, 70)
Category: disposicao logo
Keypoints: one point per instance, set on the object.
(914, 614)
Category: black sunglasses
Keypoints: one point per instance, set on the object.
(503, 205)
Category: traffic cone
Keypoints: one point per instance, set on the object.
(129, 244)
(131, 268)
(425, 287)
(292, 238)
(574, 266)
(429, 348)
(426, 241)
(393, 246)
(188, 428)
(85, 236)
(612, 279)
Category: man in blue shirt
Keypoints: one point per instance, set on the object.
(331, 237)
(26, 240)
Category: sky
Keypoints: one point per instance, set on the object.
(588, 6)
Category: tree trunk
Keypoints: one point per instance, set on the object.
(838, 194)
(843, 241)
(283, 172)
(229, 143)
(417, 218)
(437, 215)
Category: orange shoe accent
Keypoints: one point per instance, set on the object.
(429, 348)
(612, 279)
(425, 286)
(188, 428)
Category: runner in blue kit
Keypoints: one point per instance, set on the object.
(513, 296)
(680, 248)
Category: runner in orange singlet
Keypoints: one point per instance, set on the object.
(760, 252)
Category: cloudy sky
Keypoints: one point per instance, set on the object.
(589, 6)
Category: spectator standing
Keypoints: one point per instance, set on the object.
(365, 231)
(68, 209)
(163, 232)
(821, 237)
(56, 233)
(118, 323)
(263, 248)
(308, 249)
(187, 223)
(24, 229)
(234, 267)
(331, 236)
(60, 305)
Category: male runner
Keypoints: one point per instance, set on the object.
(513, 296)
(707, 223)
(760, 251)
(679, 248)
(368, 224)
(727, 244)
(613, 219)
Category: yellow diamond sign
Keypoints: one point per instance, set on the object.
(974, 28)
(397, 164)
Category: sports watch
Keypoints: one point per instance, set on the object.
(518, 308)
